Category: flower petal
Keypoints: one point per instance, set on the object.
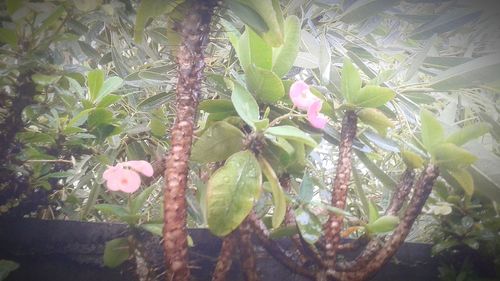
(140, 166)
(130, 181)
(110, 171)
(301, 96)
(316, 119)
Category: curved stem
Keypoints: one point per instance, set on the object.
(225, 258)
(194, 30)
(247, 253)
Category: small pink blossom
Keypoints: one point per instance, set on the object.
(316, 119)
(301, 96)
(125, 176)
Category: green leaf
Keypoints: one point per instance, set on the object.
(232, 191)
(412, 160)
(217, 143)
(50, 20)
(373, 214)
(245, 105)
(8, 36)
(248, 15)
(80, 118)
(473, 73)
(6, 267)
(450, 156)
(363, 9)
(99, 116)
(112, 210)
(308, 224)
(293, 133)
(155, 101)
(464, 179)
(468, 133)
(373, 96)
(432, 131)
(264, 84)
(284, 231)
(95, 79)
(44, 80)
(449, 20)
(279, 199)
(35, 138)
(12, 7)
(109, 86)
(284, 56)
(155, 228)
(138, 201)
(376, 119)
(351, 82)
(109, 100)
(325, 60)
(306, 189)
(116, 252)
(261, 54)
(149, 9)
(216, 106)
(383, 224)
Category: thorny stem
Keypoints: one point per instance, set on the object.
(194, 31)
(339, 193)
(247, 254)
(225, 257)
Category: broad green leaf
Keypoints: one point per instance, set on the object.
(118, 211)
(473, 73)
(109, 100)
(279, 199)
(243, 51)
(452, 157)
(298, 159)
(99, 116)
(264, 84)
(308, 224)
(306, 189)
(156, 101)
(245, 105)
(412, 160)
(35, 138)
(155, 228)
(116, 252)
(284, 56)
(284, 231)
(7, 266)
(80, 118)
(468, 133)
(248, 15)
(8, 36)
(373, 96)
(351, 82)
(261, 125)
(232, 191)
(216, 106)
(432, 130)
(138, 201)
(261, 54)
(447, 21)
(293, 133)
(464, 179)
(149, 9)
(50, 20)
(95, 79)
(217, 143)
(363, 9)
(373, 214)
(376, 119)
(109, 86)
(383, 224)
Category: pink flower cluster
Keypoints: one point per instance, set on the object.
(125, 176)
(303, 99)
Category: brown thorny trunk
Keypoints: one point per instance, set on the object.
(194, 31)
(247, 254)
(225, 257)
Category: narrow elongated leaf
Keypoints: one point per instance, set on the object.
(290, 132)
(452, 157)
(109, 86)
(216, 106)
(155, 101)
(373, 214)
(217, 143)
(248, 15)
(325, 60)
(373, 96)
(351, 82)
(468, 133)
(306, 190)
(272, 18)
(95, 79)
(473, 73)
(464, 179)
(381, 175)
(412, 160)
(155, 228)
(383, 224)
(432, 131)
(376, 119)
(232, 191)
(149, 9)
(112, 210)
(264, 84)
(116, 252)
(245, 105)
(419, 58)
(309, 225)
(284, 56)
(279, 199)
(138, 201)
(363, 9)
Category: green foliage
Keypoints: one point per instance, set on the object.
(382, 224)
(245, 105)
(351, 82)
(279, 199)
(292, 133)
(116, 252)
(6, 267)
(217, 143)
(308, 224)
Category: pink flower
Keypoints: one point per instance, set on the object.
(124, 176)
(316, 119)
(301, 96)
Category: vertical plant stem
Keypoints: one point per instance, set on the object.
(225, 257)
(339, 193)
(247, 254)
(194, 31)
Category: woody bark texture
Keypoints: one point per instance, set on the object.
(194, 31)
(225, 258)
(339, 193)
(247, 254)
(423, 188)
